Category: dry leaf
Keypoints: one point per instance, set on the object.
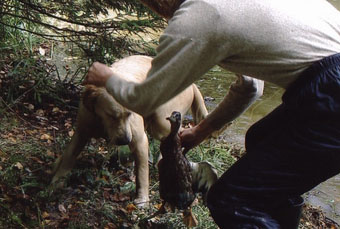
(37, 160)
(31, 132)
(20, 136)
(31, 107)
(47, 221)
(158, 206)
(46, 137)
(71, 133)
(42, 51)
(55, 109)
(45, 215)
(61, 208)
(19, 165)
(119, 197)
(68, 124)
(110, 226)
(131, 207)
(50, 153)
(40, 112)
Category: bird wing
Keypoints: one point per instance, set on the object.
(204, 175)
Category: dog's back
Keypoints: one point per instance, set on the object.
(133, 68)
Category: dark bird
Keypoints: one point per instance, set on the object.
(180, 180)
(175, 173)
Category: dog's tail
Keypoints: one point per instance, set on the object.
(198, 108)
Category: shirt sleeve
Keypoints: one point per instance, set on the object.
(179, 62)
(188, 48)
(242, 93)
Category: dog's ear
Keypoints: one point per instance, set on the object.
(89, 97)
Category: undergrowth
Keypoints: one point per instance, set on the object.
(98, 193)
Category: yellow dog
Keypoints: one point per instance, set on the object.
(99, 115)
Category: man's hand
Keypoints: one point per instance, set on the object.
(188, 139)
(98, 74)
(194, 136)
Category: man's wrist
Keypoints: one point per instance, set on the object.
(204, 129)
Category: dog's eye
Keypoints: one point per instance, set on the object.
(128, 114)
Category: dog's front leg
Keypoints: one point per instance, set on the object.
(65, 163)
(140, 149)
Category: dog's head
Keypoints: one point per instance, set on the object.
(114, 118)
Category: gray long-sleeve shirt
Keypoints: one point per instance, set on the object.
(258, 40)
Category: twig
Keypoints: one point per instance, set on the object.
(42, 11)
(9, 108)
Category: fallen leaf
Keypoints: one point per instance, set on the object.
(45, 215)
(61, 208)
(37, 160)
(31, 107)
(13, 140)
(40, 112)
(50, 153)
(45, 137)
(119, 197)
(68, 124)
(55, 109)
(71, 133)
(31, 132)
(47, 221)
(20, 136)
(110, 226)
(158, 206)
(19, 165)
(42, 51)
(131, 207)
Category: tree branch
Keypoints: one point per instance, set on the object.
(43, 11)
(49, 26)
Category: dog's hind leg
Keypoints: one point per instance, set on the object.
(65, 162)
(198, 108)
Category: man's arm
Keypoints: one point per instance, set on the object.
(180, 61)
(242, 93)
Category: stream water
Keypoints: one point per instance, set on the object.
(215, 85)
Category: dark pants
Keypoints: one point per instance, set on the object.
(290, 151)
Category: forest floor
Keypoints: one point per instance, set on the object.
(99, 192)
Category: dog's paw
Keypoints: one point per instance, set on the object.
(141, 202)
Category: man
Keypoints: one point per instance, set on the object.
(291, 43)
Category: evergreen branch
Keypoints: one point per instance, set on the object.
(44, 12)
